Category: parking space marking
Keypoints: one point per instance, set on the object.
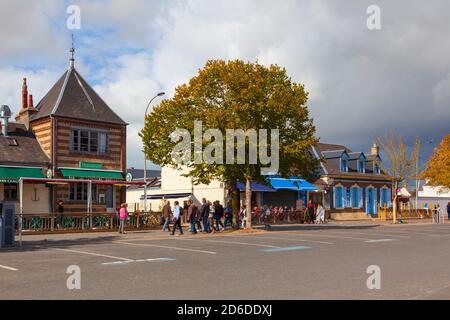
(286, 249)
(164, 247)
(138, 260)
(290, 239)
(413, 231)
(8, 268)
(380, 240)
(235, 242)
(375, 233)
(325, 236)
(94, 254)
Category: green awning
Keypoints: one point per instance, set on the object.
(91, 174)
(13, 174)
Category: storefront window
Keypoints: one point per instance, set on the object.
(79, 192)
(10, 191)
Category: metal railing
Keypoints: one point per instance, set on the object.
(83, 222)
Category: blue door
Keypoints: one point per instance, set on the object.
(370, 201)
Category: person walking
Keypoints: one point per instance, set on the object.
(320, 214)
(166, 212)
(59, 215)
(123, 215)
(228, 216)
(192, 216)
(218, 215)
(243, 216)
(448, 210)
(177, 213)
(311, 212)
(205, 215)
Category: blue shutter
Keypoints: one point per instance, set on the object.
(335, 197)
(389, 197)
(360, 195)
(375, 198)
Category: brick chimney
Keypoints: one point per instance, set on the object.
(28, 109)
(30, 101)
(375, 150)
(24, 95)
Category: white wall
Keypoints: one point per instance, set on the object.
(42, 194)
(172, 182)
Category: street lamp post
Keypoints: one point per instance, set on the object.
(145, 156)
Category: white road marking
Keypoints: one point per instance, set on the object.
(325, 236)
(236, 242)
(380, 240)
(287, 239)
(95, 254)
(139, 260)
(8, 268)
(164, 247)
(370, 233)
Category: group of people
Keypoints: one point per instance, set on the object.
(312, 213)
(208, 217)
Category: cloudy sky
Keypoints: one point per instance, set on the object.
(362, 82)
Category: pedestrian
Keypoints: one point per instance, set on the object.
(218, 215)
(59, 215)
(243, 216)
(228, 215)
(166, 212)
(211, 216)
(448, 210)
(205, 216)
(123, 215)
(320, 214)
(192, 216)
(177, 214)
(199, 218)
(310, 209)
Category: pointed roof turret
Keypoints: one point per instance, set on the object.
(72, 97)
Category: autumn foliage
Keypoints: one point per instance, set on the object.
(438, 171)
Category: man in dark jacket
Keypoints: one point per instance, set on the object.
(218, 215)
(192, 215)
(166, 212)
(205, 214)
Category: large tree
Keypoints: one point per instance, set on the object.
(234, 95)
(402, 163)
(438, 167)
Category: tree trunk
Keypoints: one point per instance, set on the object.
(394, 205)
(235, 202)
(248, 202)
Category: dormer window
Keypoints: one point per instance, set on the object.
(361, 166)
(344, 164)
(376, 168)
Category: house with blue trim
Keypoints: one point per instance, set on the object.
(351, 184)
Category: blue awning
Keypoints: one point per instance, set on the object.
(257, 187)
(295, 184)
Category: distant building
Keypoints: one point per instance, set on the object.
(429, 196)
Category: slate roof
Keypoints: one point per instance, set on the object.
(28, 150)
(73, 97)
(331, 164)
(138, 174)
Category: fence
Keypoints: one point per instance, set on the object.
(404, 214)
(83, 222)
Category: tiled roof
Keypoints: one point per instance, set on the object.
(27, 151)
(72, 97)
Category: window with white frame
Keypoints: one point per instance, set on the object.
(361, 166)
(89, 141)
(79, 192)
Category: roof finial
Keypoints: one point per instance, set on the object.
(72, 55)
